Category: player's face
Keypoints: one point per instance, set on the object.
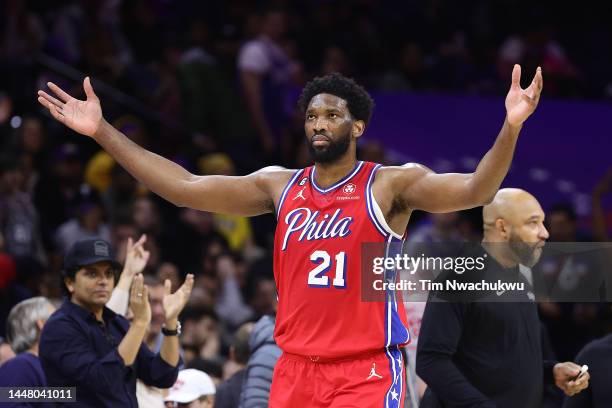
(528, 234)
(92, 285)
(328, 126)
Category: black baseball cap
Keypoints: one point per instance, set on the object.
(88, 252)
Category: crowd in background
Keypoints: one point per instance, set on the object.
(212, 86)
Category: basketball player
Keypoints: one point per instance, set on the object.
(338, 350)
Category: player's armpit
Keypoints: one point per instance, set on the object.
(420, 188)
(249, 195)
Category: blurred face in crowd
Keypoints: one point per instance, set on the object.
(92, 285)
(329, 126)
(144, 214)
(12, 180)
(264, 301)
(156, 297)
(32, 135)
(204, 329)
(562, 227)
(274, 24)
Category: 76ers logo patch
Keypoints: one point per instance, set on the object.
(350, 188)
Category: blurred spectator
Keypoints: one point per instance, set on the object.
(58, 192)
(562, 222)
(442, 228)
(25, 323)
(99, 168)
(19, 222)
(121, 193)
(31, 147)
(193, 389)
(265, 72)
(146, 217)
(566, 276)
(169, 271)
(537, 45)
(6, 352)
(410, 72)
(230, 305)
(264, 298)
(228, 392)
(88, 223)
(201, 335)
(236, 230)
(24, 32)
(264, 353)
(603, 187)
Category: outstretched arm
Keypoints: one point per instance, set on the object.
(421, 188)
(248, 195)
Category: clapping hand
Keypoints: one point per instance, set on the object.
(175, 302)
(139, 301)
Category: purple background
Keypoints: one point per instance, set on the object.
(563, 149)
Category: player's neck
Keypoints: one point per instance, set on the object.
(329, 173)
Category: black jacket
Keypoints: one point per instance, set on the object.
(482, 349)
(598, 356)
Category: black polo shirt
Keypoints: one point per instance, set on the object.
(483, 349)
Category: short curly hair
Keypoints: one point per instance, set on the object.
(359, 102)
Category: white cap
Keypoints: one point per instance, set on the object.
(190, 385)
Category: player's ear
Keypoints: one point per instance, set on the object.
(358, 128)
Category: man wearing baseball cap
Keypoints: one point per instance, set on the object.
(192, 389)
(86, 345)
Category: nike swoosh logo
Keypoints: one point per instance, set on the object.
(500, 292)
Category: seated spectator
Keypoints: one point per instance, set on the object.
(25, 323)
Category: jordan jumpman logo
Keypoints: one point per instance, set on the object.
(373, 372)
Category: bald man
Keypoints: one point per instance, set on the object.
(484, 349)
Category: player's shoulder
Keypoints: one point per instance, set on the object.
(274, 176)
(408, 172)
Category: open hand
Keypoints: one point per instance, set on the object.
(136, 256)
(520, 103)
(139, 301)
(175, 302)
(84, 117)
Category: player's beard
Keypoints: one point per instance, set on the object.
(332, 152)
(527, 254)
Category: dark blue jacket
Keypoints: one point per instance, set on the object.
(76, 350)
